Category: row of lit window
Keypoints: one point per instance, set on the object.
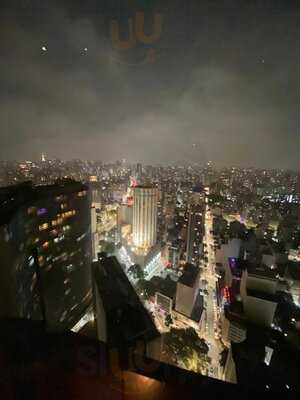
(63, 256)
(68, 214)
(43, 226)
(57, 221)
(61, 197)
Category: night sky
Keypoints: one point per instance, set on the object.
(220, 81)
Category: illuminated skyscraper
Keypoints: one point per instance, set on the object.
(144, 216)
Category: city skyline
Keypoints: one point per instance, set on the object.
(218, 82)
(149, 198)
(202, 265)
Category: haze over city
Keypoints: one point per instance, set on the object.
(220, 81)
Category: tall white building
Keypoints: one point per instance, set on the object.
(144, 216)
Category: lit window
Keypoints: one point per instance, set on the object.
(30, 261)
(81, 237)
(57, 221)
(63, 316)
(59, 198)
(59, 239)
(41, 211)
(82, 193)
(45, 245)
(43, 227)
(69, 267)
(41, 261)
(33, 282)
(31, 210)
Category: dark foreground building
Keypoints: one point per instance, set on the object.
(45, 253)
(37, 365)
(121, 319)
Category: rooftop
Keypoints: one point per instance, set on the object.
(127, 319)
(166, 286)
(263, 295)
(189, 276)
(197, 309)
(282, 372)
(262, 272)
(293, 269)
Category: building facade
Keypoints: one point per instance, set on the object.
(144, 216)
(45, 250)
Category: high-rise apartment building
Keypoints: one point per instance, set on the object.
(45, 252)
(144, 216)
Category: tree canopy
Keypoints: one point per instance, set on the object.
(184, 344)
(136, 271)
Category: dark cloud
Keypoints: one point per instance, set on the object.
(224, 76)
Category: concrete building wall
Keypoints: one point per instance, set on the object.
(185, 297)
(261, 284)
(230, 370)
(259, 311)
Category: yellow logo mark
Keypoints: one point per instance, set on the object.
(136, 32)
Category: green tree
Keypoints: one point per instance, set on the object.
(145, 288)
(136, 271)
(186, 346)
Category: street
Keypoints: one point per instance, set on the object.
(210, 322)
